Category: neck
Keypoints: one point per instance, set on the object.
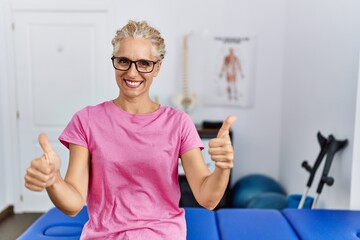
(136, 107)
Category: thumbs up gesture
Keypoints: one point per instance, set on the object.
(220, 148)
(43, 171)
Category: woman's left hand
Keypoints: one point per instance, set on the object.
(220, 148)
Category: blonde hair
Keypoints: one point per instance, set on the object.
(141, 29)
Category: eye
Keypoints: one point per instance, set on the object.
(123, 61)
(143, 63)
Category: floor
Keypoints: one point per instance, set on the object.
(14, 225)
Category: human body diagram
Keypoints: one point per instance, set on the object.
(231, 67)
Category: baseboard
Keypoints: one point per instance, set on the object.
(8, 211)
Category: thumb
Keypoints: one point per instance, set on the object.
(225, 128)
(45, 143)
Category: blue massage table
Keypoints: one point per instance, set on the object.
(225, 224)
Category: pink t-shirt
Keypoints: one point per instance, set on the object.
(133, 189)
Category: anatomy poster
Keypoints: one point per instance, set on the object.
(230, 72)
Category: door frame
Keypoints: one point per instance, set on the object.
(8, 109)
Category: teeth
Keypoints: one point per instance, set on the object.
(133, 84)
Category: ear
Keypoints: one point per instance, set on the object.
(157, 69)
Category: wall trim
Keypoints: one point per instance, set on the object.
(8, 211)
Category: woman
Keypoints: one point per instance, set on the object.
(124, 154)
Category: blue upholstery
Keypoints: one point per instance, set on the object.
(201, 224)
(225, 224)
(325, 224)
(253, 224)
(55, 225)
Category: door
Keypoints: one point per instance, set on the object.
(62, 64)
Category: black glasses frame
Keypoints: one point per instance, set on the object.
(135, 62)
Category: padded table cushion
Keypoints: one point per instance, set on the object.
(201, 224)
(253, 224)
(324, 224)
(225, 224)
(55, 225)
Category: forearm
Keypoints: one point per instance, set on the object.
(65, 196)
(213, 187)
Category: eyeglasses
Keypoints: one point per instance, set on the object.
(142, 65)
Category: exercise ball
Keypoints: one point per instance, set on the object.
(269, 200)
(251, 185)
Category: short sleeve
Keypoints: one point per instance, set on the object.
(190, 138)
(76, 130)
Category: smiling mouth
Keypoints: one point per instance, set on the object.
(133, 84)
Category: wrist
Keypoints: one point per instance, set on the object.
(220, 170)
(56, 181)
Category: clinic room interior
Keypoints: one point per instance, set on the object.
(295, 83)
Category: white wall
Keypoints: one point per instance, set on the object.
(322, 42)
(2, 159)
(3, 185)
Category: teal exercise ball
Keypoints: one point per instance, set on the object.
(246, 188)
(269, 200)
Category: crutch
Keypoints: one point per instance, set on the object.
(333, 146)
(312, 170)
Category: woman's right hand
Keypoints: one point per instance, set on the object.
(44, 171)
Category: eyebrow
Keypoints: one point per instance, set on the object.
(141, 59)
